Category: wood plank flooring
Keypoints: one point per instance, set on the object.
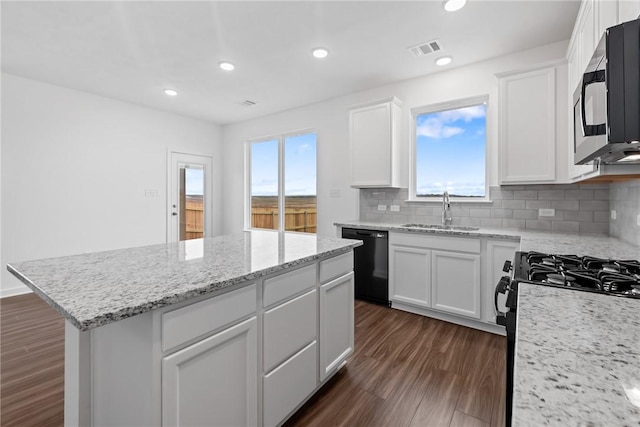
(31, 363)
(407, 370)
(413, 371)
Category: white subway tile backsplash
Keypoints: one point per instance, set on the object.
(578, 207)
(538, 204)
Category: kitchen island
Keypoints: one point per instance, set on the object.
(231, 330)
(577, 358)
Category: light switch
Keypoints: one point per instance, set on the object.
(334, 193)
(150, 192)
(394, 208)
(546, 212)
(614, 214)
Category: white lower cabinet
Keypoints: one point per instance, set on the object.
(455, 283)
(410, 275)
(213, 382)
(336, 324)
(289, 384)
(451, 278)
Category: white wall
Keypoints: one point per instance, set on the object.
(331, 121)
(75, 167)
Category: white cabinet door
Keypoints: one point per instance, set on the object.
(374, 136)
(213, 382)
(628, 10)
(289, 384)
(289, 327)
(607, 12)
(410, 275)
(527, 127)
(586, 32)
(455, 283)
(498, 251)
(336, 323)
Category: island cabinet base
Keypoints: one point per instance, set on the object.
(250, 355)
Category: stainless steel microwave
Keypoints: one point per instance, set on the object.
(606, 104)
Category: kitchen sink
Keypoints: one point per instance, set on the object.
(441, 227)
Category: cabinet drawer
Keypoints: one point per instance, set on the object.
(288, 328)
(290, 384)
(336, 266)
(284, 286)
(447, 243)
(186, 323)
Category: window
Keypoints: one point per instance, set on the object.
(449, 153)
(282, 178)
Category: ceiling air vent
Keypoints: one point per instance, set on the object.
(426, 48)
(247, 103)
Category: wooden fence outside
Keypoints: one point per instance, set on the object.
(304, 219)
(194, 218)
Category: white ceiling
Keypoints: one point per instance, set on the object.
(132, 50)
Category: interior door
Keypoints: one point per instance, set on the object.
(190, 195)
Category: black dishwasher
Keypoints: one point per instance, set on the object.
(371, 264)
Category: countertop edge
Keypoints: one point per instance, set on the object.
(513, 235)
(94, 322)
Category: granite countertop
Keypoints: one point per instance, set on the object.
(596, 245)
(577, 358)
(95, 289)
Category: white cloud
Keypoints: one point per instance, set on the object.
(303, 148)
(441, 125)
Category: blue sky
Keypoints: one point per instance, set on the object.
(194, 181)
(300, 166)
(450, 151)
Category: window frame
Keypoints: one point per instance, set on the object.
(280, 137)
(444, 106)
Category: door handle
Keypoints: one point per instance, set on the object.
(174, 213)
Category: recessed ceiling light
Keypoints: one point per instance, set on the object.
(444, 60)
(170, 92)
(227, 66)
(453, 5)
(320, 52)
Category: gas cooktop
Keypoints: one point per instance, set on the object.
(607, 276)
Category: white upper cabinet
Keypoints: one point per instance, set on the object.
(527, 126)
(607, 16)
(628, 10)
(374, 134)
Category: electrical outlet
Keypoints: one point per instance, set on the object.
(382, 207)
(394, 208)
(334, 193)
(614, 214)
(546, 212)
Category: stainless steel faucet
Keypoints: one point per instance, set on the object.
(446, 209)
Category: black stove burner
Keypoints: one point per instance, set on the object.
(615, 277)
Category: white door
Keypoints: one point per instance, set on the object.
(410, 275)
(190, 195)
(213, 382)
(336, 323)
(455, 283)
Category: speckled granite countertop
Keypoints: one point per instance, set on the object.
(577, 359)
(95, 289)
(596, 245)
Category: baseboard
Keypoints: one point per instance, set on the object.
(12, 292)
(470, 323)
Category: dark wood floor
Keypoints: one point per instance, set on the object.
(410, 370)
(407, 370)
(31, 363)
